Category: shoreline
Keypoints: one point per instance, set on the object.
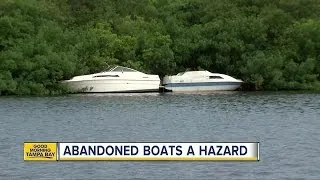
(169, 92)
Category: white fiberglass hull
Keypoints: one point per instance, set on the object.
(113, 86)
(202, 86)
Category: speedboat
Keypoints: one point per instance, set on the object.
(115, 79)
(200, 81)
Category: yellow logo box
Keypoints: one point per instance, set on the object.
(40, 151)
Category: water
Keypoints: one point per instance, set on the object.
(286, 124)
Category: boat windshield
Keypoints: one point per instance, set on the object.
(119, 69)
(108, 69)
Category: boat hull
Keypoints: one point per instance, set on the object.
(113, 86)
(202, 86)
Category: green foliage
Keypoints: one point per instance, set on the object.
(273, 45)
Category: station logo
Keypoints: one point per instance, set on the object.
(36, 151)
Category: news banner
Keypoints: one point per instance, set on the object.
(160, 151)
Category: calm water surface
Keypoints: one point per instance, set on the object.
(286, 124)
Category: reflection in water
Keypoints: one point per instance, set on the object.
(205, 93)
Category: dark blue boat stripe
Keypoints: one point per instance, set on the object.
(202, 84)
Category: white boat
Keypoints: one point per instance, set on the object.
(115, 79)
(200, 81)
